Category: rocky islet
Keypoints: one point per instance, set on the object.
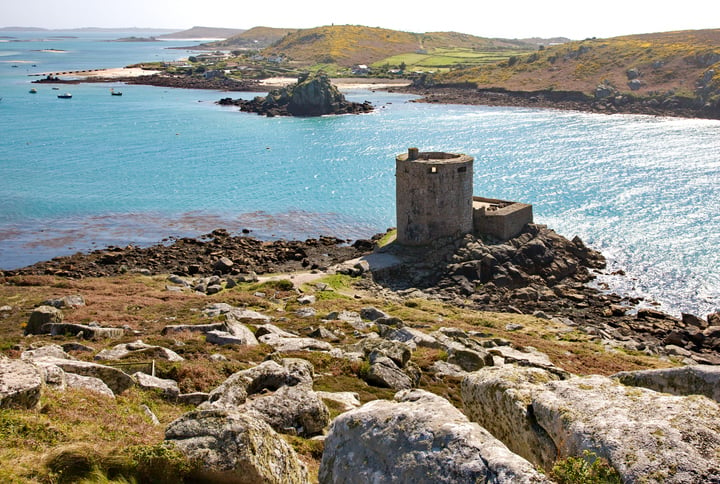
(311, 95)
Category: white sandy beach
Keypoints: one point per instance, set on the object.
(113, 73)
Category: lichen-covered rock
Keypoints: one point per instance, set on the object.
(348, 400)
(193, 328)
(410, 336)
(527, 356)
(278, 393)
(138, 349)
(21, 384)
(372, 313)
(290, 409)
(86, 331)
(395, 350)
(55, 377)
(194, 398)
(685, 380)
(41, 316)
(267, 328)
(419, 438)
(233, 314)
(223, 338)
(384, 372)
(241, 331)
(291, 344)
(642, 434)
(499, 399)
(88, 383)
(351, 317)
(235, 448)
(168, 388)
(231, 332)
(74, 301)
(115, 379)
(469, 360)
(52, 350)
(268, 375)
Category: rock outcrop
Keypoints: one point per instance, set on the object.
(295, 410)
(21, 384)
(88, 383)
(237, 448)
(138, 349)
(418, 438)
(642, 434)
(280, 394)
(41, 316)
(542, 272)
(312, 95)
(115, 379)
(166, 387)
(500, 398)
(685, 380)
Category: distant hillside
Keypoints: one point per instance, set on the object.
(546, 42)
(20, 29)
(348, 45)
(686, 63)
(203, 33)
(254, 38)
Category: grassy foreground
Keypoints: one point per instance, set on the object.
(75, 432)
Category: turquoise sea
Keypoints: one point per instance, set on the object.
(155, 163)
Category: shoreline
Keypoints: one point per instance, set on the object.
(137, 75)
(440, 94)
(394, 271)
(111, 73)
(559, 100)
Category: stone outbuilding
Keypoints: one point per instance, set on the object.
(434, 200)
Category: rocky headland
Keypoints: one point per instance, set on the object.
(606, 100)
(215, 253)
(228, 358)
(312, 95)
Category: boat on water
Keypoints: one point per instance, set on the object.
(33, 91)
(55, 88)
(113, 92)
(67, 95)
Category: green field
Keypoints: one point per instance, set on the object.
(444, 59)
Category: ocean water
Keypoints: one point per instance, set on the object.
(156, 163)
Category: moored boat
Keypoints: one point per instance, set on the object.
(33, 91)
(67, 95)
(113, 92)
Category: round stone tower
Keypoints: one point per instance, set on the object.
(433, 193)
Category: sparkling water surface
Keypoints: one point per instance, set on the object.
(97, 169)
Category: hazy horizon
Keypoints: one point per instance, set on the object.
(521, 19)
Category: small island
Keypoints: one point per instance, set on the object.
(311, 95)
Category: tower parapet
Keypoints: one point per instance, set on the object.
(433, 196)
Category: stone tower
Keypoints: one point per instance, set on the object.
(434, 196)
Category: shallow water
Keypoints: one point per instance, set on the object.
(97, 169)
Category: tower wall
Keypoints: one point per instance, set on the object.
(434, 193)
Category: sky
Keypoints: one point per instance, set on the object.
(498, 18)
